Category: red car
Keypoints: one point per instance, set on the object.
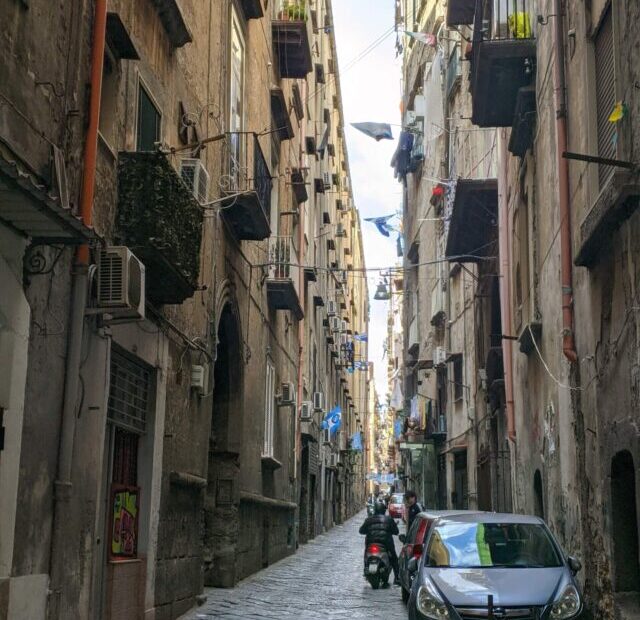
(396, 506)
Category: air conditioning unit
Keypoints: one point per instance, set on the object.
(343, 339)
(440, 356)
(288, 396)
(196, 178)
(306, 411)
(340, 231)
(326, 436)
(335, 323)
(332, 308)
(326, 180)
(333, 460)
(121, 282)
(344, 326)
(318, 401)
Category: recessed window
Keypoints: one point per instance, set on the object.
(148, 132)
(269, 414)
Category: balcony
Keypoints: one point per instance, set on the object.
(291, 39)
(161, 221)
(471, 225)
(246, 183)
(252, 9)
(460, 12)
(283, 281)
(503, 59)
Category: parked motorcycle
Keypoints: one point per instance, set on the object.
(377, 567)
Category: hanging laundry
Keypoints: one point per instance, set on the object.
(424, 37)
(620, 110)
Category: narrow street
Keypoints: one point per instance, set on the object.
(323, 580)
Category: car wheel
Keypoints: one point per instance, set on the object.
(405, 595)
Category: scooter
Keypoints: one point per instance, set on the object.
(377, 567)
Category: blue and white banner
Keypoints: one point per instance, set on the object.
(333, 420)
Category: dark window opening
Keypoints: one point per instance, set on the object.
(148, 122)
(624, 516)
(125, 458)
(458, 380)
(538, 495)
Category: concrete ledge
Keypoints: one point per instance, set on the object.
(187, 480)
(254, 498)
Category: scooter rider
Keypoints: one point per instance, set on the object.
(381, 528)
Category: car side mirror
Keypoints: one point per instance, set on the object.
(575, 564)
(402, 538)
(412, 565)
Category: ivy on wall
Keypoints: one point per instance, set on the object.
(157, 210)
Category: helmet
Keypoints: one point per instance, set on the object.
(380, 508)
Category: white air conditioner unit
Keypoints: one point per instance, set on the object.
(318, 401)
(326, 180)
(344, 326)
(306, 411)
(121, 282)
(288, 396)
(196, 178)
(344, 339)
(340, 231)
(440, 356)
(332, 308)
(335, 323)
(326, 436)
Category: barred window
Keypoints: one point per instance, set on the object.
(129, 393)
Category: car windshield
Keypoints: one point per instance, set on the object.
(397, 498)
(491, 545)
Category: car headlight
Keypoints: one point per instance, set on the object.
(430, 604)
(567, 605)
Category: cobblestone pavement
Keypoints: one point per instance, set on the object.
(322, 581)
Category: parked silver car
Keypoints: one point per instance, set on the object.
(491, 565)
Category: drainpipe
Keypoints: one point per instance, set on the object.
(59, 564)
(505, 281)
(559, 89)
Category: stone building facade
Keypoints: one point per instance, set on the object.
(185, 449)
(539, 196)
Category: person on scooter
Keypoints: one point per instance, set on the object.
(381, 528)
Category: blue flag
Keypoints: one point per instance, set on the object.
(382, 224)
(378, 131)
(397, 428)
(333, 420)
(361, 338)
(356, 441)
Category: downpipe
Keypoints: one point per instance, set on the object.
(505, 283)
(566, 266)
(59, 564)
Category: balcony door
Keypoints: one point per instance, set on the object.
(236, 98)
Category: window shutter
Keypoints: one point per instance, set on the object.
(605, 93)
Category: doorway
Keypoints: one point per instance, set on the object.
(221, 513)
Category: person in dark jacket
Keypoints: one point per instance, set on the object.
(381, 528)
(413, 507)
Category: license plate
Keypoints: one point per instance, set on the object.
(373, 568)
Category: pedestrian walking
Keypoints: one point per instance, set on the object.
(413, 507)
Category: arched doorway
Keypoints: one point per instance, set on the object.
(624, 524)
(222, 493)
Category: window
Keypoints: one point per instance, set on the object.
(148, 130)
(605, 93)
(129, 393)
(269, 410)
(236, 90)
(458, 379)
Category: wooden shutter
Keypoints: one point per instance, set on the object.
(605, 93)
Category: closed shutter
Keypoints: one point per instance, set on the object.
(605, 93)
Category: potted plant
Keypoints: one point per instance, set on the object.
(294, 10)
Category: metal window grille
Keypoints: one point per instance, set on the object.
(605, 94)
(125, 458)
(129, 393)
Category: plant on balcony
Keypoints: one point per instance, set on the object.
(156, 211)
(294, 11)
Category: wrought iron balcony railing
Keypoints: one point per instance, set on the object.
(283, 282)
(247, 183)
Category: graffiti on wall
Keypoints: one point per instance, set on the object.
(124, 521)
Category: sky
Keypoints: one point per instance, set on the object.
(371, 92)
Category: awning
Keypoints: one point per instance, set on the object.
(28, 208)
(472, 220)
